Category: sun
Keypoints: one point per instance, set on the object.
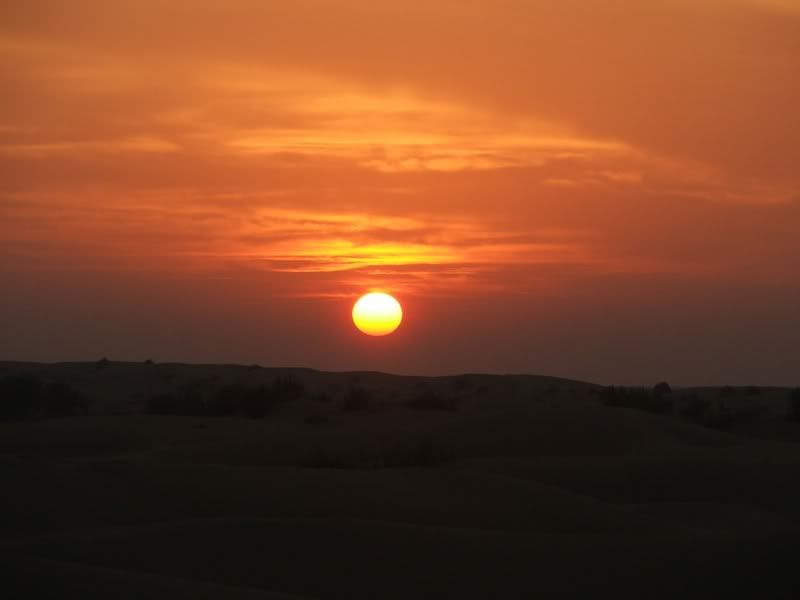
(377, 314)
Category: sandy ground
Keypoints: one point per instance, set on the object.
(531, 490)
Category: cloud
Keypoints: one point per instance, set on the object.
(440, 86)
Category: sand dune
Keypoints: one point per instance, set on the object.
(522, 489)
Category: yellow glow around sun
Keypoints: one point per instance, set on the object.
(377, 314)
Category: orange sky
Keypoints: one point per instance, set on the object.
(605, 190)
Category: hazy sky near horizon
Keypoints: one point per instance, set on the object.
(604, 190)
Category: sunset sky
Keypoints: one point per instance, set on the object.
(606, 190)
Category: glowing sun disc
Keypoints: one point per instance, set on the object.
(377, 314)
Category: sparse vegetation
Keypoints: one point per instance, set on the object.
(356, 399)
(63, 400)
(661, 389)
(431, 400)
(199, 399)
(460, 383)
(25, 396)
(637, 398)
(20, 397)
(695, 407)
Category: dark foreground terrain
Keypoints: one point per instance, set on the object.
(124, 480)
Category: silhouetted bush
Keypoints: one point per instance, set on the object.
(162, 404)
(726, 418)
(20, 397)
(149, 362)
(237, 399)
(794, 405)
(25, 396)
(200, 399)
(636, 398)
(695, 407)
(752, 390)
(661, 389)
(101, 364)
(727, 392)
(62, 400)
(460, 383)
(286, 389)
(191, 403)
(357, 398)
(256, 402)
(431, 400)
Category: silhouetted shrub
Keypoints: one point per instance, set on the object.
(431, 400)
(794, 405)
(223, 402)
(149, 362)
(62, 400)
(25, 396)
(101, 364)
(727, 392)
(695, 407)
(661, 389)
(286, 389)
(255, 402)
(238, 399)
(636, 398)
(191, 403)
(460, 383)
(20, 397)
(201, 399)
(357, 398)
(752, 390)
(188, 401)
(162, 404)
